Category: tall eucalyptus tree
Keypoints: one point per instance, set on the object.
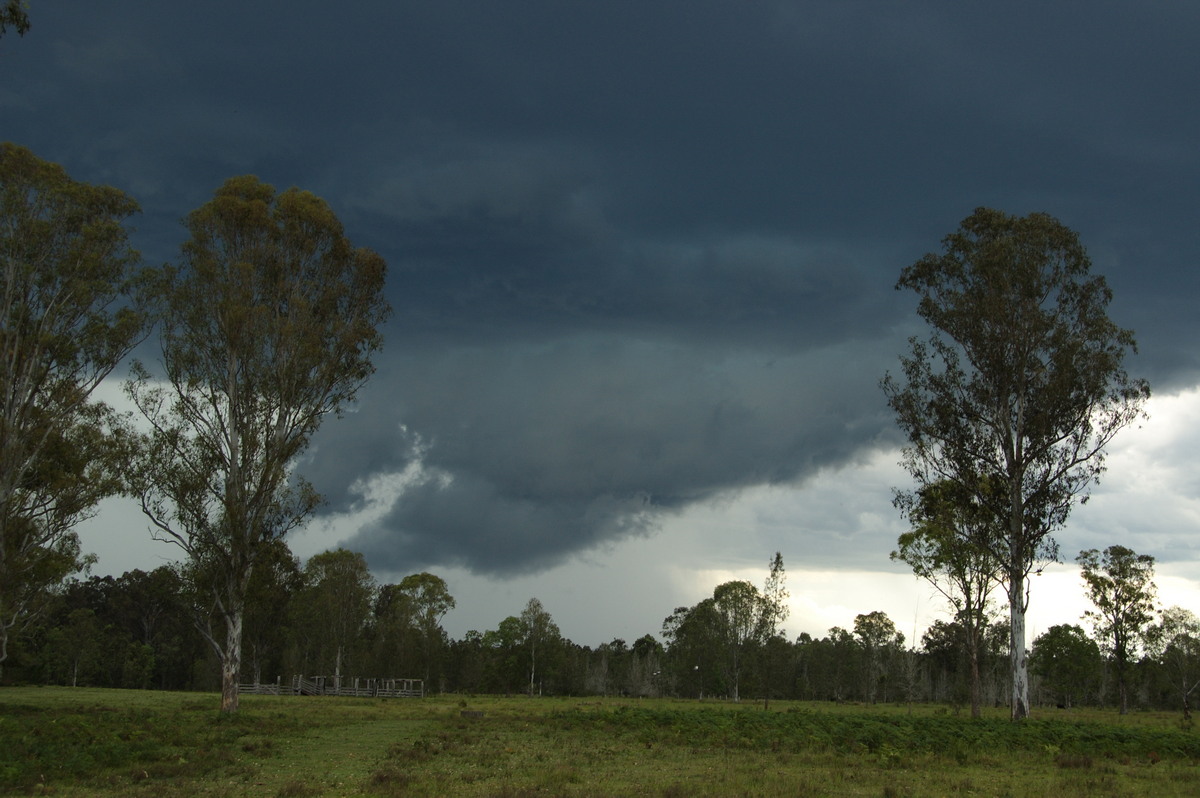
(540, 633)
(1120, 584)
(1017, 390)
(270, 323)
(1175, 642)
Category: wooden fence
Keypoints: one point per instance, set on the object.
(329, 685)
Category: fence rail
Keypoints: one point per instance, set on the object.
(328, 685)
(259, 689)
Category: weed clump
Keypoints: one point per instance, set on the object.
(295, 789)
(390, 780)
(1073, 761)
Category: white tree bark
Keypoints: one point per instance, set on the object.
(231, 660)
(1017, 655)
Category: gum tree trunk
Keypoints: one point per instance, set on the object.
(1018, 660)
(231, 660)
(976, 688)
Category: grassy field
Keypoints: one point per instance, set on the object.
(82, 742)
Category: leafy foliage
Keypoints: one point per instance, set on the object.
(1119, 584)
(719, 637)
(1069, 663)
(1175, 643)
(331, 610)
(16, 14)
(949, 547)
(70, 312)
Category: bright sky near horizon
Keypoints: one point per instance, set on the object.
(642, 259)
(626, 589)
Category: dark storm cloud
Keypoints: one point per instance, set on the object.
(641, 254)
(531, 452)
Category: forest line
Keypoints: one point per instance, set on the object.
(329, 616)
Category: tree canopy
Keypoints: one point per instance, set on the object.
(70, 311)
(1068, 661)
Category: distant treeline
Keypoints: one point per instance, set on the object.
(140, 630)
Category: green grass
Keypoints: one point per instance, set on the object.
(82, 742)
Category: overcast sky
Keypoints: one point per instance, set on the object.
(642, 258)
